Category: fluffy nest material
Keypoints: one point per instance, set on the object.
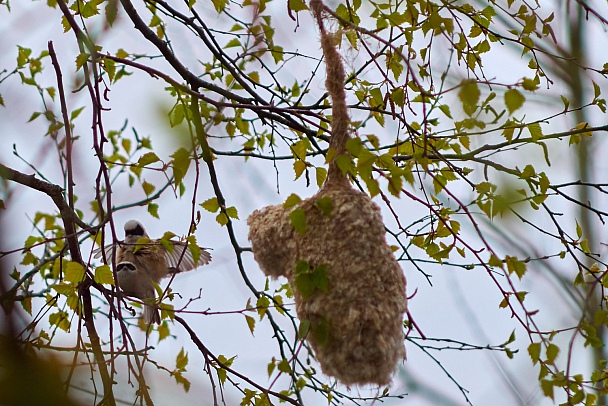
(348, 287)
(364, 303)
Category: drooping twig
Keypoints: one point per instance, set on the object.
(221, 365)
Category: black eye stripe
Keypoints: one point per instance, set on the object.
(138, 230)
(127, 266)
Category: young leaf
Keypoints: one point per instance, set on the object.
(534, 351)
(291, 201)
(298, 220)
(181, 360)
(74, 272)
(469, 96)
(297, 5)
(211, 205)
(552, 351)
(514, 100)
(147, 159)
(232, 212)
(181, 163)
(103, 275)
(250, 323)
(325, 204)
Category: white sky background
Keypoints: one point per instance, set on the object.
(461, 305)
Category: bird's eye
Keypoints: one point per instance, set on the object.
(138, 230)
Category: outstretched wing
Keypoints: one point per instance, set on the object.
(181, 260)
(108, 249)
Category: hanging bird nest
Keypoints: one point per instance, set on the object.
(348, 288)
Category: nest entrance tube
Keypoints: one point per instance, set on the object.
(347, 284)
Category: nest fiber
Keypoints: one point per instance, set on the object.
(348, 288)
(363, 306)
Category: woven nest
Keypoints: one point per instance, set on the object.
(354, 309)
(361, 311)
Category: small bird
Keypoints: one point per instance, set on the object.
(135, 282)
(152, 259)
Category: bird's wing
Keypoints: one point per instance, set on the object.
(109, 251)
(181, 260)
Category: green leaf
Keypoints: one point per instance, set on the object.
(320, 331)
(111, 11)
(23, 56)
(534, 351)
(297, 5)
(181, 163)
(163, 331)
(446, 110)
(514, 100)
(103, 275)
(141, 243)
(535, 131)
(222, 219)
(233, 43)
(110, 67)
(194, 249)
(153, 210)
(147, 159)
(591, 399)
(299, 167)
(552, 351)
(74, 272)
(211, 205)
(65, 289)
(377, 99)
(321, 175)
(319, 278)
(271, 366)
(579, 230)
(166, 310)
(304, 284)
(291, 201)
(547, 387)
(60, 319)
(177, 115)
(398, 96)
(485, 188)
(181, 360)
(219, 5)
(81, 59)
(325, 204)
(148, 188)
(528, 172)
(76, 113)
(250, 323)
(469, 96)
(284, 366)
(262, 306)
(303, 329)
(515, 265)
(495, 261)
(531, 85)
(298, 220)
(308, 281)
(26, 303)
(232, 212)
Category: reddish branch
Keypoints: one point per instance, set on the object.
(221, 365)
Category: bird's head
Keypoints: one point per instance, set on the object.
(134, 228)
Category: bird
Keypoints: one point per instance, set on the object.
(152, 259)
(135, 282)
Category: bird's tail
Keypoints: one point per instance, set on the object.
(151, 314)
